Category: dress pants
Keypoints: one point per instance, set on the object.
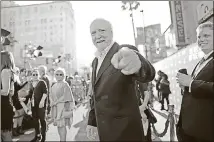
(39, 115)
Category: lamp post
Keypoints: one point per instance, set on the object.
(144, 33)
(131, 6)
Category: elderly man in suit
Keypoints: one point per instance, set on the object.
(197, 108)
(114, 104)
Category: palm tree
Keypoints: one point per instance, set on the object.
(131, 6)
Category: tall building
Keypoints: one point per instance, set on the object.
(50, 25)
(8, 3)
(152, 41)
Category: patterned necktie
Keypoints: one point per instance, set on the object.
(202, 61)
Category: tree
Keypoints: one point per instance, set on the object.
(131, 6)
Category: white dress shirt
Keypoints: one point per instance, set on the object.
(201, 66)
(101, 56)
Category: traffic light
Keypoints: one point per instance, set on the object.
(5, 33)
(34, 52)
(57, 60)
(4, 37)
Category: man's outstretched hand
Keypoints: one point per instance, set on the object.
(127, 61)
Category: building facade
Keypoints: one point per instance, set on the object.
(186, 16)
(181, 35)
(50, 25)
(8, 4)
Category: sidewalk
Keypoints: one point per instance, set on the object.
(78, 130)
(161, 120)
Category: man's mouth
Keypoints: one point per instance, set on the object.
(100, 41)
(203, 44)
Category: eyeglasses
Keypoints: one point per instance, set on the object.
(59, 74)
(34, 74)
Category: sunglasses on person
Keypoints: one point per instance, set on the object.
(34, 74)
(59, 74)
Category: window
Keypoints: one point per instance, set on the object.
(35, 9)
(20, 11)
(27, 22)
(51, 7)
(61, 8)
(27, 10)
(11, 24)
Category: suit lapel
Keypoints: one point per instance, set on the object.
(203, 68)
(107, 61)
(195, 69)
(198, 72)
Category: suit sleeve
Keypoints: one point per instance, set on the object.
(147, 71)
(202, 89)
(92, 118)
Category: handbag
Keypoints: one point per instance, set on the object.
(151, 117)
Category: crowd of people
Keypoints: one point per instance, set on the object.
(37, 93)
(119, 91)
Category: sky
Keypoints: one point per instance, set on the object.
(86, 11)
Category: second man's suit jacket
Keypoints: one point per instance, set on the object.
(197, 108)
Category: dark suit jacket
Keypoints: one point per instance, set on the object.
(114, 108)
(197, 108)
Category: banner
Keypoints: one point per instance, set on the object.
(152, 32)
(178, 22)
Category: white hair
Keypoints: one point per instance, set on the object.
(62, 70)
(207, 24)
(44, 68)
(102, 19)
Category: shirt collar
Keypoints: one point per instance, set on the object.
(208, 55)
(104, 52)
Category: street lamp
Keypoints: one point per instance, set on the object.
(131, 6)
(144, 33)
(32, 52)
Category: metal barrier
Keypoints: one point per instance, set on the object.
(169, 122)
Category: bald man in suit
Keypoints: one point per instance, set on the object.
(114, 105)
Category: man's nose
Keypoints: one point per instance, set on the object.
(200, 40)
(98, 36)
